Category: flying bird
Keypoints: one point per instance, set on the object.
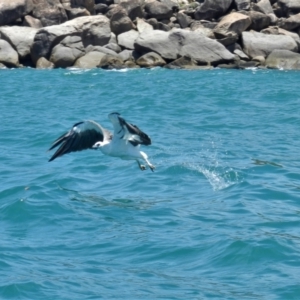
(124, 142)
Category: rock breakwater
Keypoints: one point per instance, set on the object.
(146, 33)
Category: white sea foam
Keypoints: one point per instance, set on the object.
(118, 70)
(73, 70)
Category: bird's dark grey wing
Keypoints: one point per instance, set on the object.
(82, 136)
(137, 136)
(129, 132)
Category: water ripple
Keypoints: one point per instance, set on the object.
(218, 219)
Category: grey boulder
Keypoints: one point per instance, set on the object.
(283, 59)
(200, 48)
(8, 56)
(183, 62)
(279, 31)
(102, 50)
(290, 23)
(156, 41)
(10, 10)
(90, 60)
(179, 42)
(131, 55)
(101, 8)
(113, 46)
(158, 25)
(205, 31)
(110, 62)
(150, 60)
(242, 4)
(65, 54)
(88, 5)
(30, 21)
(44, 63)
(158, 10)
(21, 38)
(120, 22)
(141, 25)
(241, 54)
(49, 12)
(263, 6)
(259, 20)
(289, 7)
(232, 23)
(212, 9)
(134, 8)
(259, 44)
(76, 12)
(93, 30)
(183, 20)
(127, 39)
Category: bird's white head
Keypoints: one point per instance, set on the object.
(114, 117)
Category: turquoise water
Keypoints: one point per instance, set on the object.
(218, 219)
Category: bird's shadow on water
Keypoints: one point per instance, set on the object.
(260, 162)
(129, 202)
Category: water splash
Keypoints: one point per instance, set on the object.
(215, 165)
(211, 161)
(219, 177)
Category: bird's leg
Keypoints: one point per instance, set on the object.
(150, 166)
(145, 157)
(142, 167)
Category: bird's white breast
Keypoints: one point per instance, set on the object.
(120, 148)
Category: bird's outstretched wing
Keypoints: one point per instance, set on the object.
(127, 131)
(83, 135)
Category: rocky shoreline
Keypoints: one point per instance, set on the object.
(115, 34)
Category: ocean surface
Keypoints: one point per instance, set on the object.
(218, 219)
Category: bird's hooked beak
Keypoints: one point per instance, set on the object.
(97, 145)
